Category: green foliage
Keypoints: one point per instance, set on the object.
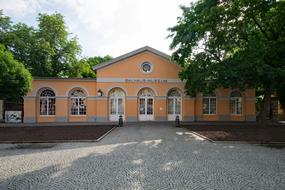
(47, 51)
(15, 79)
(83, 68)
(235, 44)
(97, 59)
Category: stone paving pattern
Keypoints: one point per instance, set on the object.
(142, 157)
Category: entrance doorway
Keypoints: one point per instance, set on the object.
(174, 104)
(146, 97)
(117, 104)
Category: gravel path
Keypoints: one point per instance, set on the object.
(142, 157)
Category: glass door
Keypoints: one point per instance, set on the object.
(146, 108)
(116, 108)
(174, 108)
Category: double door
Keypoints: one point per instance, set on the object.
(116, 108)
(146, 109)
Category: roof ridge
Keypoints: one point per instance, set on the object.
(130, 54)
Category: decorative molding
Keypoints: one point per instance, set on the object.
(74, 87)
(36, 91)
(30, 97)
(160, 97)
(121, 87)
(142, 80)
(131, 97)
(130, 54)
(64, 79)
(188, 98)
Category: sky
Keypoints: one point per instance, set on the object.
(112, 27)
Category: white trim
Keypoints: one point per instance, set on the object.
(37, 91)
(78, 98)
(151, 67)
(142, 87)
(130, 54)
(216, 105)
(74, 87)
(129, 80)
(113, 87)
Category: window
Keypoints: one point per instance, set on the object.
(146, 67)
(174, 102)
(47, 102)
(209, 104)
(78, 102)
(117, 101)
(236, 103)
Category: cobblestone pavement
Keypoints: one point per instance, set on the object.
(142, 157)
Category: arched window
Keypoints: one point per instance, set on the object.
(236, 103)
(47, 102)
(174, 101)
(78, 102)
(145, 100)
(117, 103)
(174, 104)
(209, 104)
(146, 92)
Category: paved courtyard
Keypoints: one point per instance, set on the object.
(142, 157)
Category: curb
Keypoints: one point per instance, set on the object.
(104, 135)
(202, 136)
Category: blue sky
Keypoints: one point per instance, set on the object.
(103, 27)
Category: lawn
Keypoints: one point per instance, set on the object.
(53, 133)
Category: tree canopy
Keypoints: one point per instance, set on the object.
(15, 79)
(233, 44)
(48, 50)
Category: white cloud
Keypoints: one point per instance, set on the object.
(19, 8)
(111, 26)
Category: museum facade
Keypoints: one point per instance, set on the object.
(142, 85)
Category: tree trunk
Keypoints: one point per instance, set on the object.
(264, 116)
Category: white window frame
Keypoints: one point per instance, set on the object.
(78, 99)
(235, 101)
(48, 100)
(151, 67)
(77, 113)
(209, 98)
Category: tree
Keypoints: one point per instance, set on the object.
(232, 44)
(61, 51)
(47, 51)
(15, 79)
(83, 68)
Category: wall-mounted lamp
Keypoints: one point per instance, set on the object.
(100, 92)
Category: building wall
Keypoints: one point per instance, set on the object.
(127, 75)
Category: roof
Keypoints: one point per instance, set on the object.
(65, 79)
(130, 54)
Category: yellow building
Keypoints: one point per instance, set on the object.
(140, 85)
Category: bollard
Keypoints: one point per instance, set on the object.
(120, 121)
(177, 121)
